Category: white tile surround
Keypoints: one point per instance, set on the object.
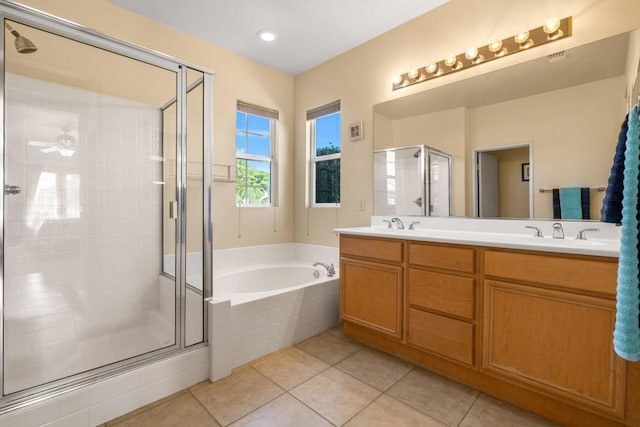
(243, 332)
(115, 396)
(82, 256)
(82, 261)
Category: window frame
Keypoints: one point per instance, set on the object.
(312, 116)
(272, 115)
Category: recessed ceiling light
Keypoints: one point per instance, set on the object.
(267, 35)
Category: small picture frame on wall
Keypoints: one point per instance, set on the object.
(525, 171)
(355, 131)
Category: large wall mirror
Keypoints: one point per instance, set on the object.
(552, 122)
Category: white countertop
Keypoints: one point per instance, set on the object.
(609, 246)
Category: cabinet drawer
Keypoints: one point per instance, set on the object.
(581, 274)
(449, 337)
(446, 257)
(442, 292)
(380, 249)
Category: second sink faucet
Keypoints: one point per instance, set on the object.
(558, 232)
(398, 222)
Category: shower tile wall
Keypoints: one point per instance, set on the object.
(83, 238)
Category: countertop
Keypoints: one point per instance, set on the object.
(592, 246)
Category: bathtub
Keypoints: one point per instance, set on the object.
(266, 298)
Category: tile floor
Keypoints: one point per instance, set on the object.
(330, 380)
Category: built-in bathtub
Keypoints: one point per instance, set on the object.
(266, 298)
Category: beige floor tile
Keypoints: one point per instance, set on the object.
(330, 347)
(183, 410)
(375, 368)
(337, 330)
(439, 397)
(236, 395)
(387, 411)
(290, 367)
(285, 411)
(335, 395)
(490, 412)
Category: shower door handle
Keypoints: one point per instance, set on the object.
(173, 209)
(11, 190)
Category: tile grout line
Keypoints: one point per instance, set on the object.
(316, 412)
(297, 385)
(204, 407)
(468, 410)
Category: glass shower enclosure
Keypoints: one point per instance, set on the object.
(106, 234)
(412, 180)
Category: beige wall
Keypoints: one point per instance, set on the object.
(361, 78)
(236, 78)
(632, 78)
(567, 150)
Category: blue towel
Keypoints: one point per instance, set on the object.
(612, 203)
(626, 336)
(571, 203)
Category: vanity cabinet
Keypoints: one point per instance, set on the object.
(371, 279)
(533, 328)
(548, 323)
(441, 300)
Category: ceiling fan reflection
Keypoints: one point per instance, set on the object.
(64, 144)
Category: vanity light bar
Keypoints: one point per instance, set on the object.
(553, 30)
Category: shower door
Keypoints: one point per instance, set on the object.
(86, 185)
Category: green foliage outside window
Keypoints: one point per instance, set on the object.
(253, 184)
(328, 177)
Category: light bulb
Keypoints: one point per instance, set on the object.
(551, 26)
(495, 46)
(471, 53)
(267, 35)
(552, 29)
(451, 61)
(432, 68)
(521, 37)
(413, 73)
(397, 79)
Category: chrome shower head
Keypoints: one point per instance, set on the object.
(23, 44)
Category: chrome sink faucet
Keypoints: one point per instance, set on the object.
(331, 270)
(398, 222)
(538, 232)
(582, 236)
(558, 232)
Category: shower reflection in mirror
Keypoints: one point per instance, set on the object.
(413, 180)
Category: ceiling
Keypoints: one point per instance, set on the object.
(309, 32)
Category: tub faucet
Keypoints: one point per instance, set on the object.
(398, 222)
(331, 270)
(558, 232)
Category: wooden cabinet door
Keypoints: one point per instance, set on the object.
(559, 343)
(371, 295)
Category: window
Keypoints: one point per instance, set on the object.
(255, 128)
(324, 126)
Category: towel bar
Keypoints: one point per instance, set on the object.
(545, 190)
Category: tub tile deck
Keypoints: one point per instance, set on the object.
(330, 381)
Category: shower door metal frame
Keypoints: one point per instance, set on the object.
(79, 33)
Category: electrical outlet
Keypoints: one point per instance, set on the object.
(363, 205)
